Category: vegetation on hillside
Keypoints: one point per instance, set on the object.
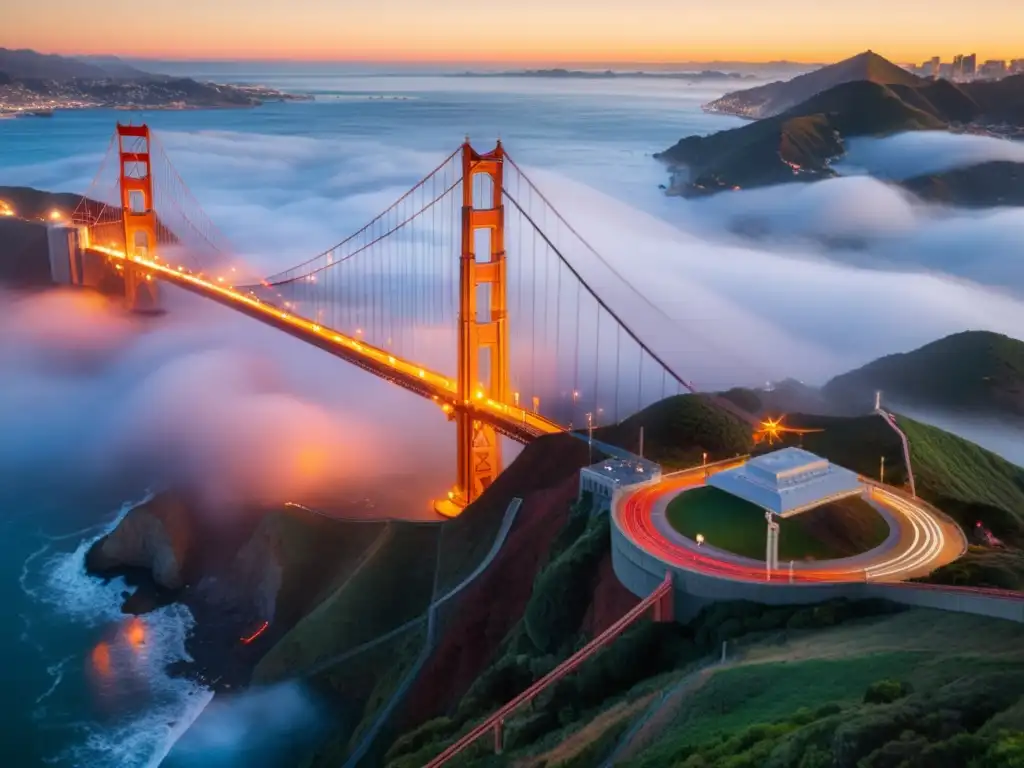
(798, 144)
(977, 371)
(915, 690)
(679, 430)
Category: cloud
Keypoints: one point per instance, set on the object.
(907, 155)
(200, 398)
(260, 727)
(182, 395)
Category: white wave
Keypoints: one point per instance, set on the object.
(141, 736)
(56, 672)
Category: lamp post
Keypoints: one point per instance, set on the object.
(881, 471)
(590, 437)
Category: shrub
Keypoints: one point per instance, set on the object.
(885, 692)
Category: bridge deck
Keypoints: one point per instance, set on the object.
(517, 423)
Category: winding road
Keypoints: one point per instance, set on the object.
(921, 538)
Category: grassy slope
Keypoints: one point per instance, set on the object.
(944, 657)
(973, 370)
(679, 429)
(352, 614)
(738, 526)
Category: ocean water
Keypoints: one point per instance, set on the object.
(85, 685)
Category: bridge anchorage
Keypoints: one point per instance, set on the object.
(531, 346)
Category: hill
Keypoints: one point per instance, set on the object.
(798, 144)
(775, 98)
(30, 65)
(650, 694)
(979, 186)
(974, 371)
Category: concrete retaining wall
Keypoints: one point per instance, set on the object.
(640, 572)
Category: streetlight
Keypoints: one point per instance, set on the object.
(881, 471)
(590, 437)
(515, 397)
(700, 539)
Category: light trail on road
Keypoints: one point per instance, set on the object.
(925, 541)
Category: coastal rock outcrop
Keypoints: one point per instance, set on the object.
(156, 535)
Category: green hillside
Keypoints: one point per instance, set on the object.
(974, 371)
(505, 642)
(799, 143)
(679, 430)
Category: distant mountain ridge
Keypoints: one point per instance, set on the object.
(26, 64)
(775, 98)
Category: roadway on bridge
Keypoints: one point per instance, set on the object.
(517, 423)
(921, 541)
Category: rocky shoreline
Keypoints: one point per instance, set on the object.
(168, 551)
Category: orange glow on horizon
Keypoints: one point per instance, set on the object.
(529, 32)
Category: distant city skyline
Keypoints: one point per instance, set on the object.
(528, 31)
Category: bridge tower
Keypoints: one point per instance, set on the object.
(137, 214)
(483, 326)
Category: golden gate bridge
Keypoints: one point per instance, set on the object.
(470, 289)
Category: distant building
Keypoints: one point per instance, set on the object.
(993, 69)
(970, 66)
(601, 480)
(946, 71)
(1017, 67)
(958, 67)
(934, 66)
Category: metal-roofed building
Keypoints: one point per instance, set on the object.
(602, 479)
(788, 481)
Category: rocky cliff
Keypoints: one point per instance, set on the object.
(156, 536)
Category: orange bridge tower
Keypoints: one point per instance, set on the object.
(137, 214)
(483, 325)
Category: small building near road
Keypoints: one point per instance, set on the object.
(603, 478)
(788, 481)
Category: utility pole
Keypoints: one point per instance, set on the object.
(771, 558)
(881, 471)
(590, 438)
(641, 441)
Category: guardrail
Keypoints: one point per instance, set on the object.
(495, 723)
(708, 465)
(891, 421)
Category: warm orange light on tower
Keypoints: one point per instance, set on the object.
(479, 449)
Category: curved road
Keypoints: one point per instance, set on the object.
(921, 540)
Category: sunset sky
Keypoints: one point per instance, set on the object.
(521, 31)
